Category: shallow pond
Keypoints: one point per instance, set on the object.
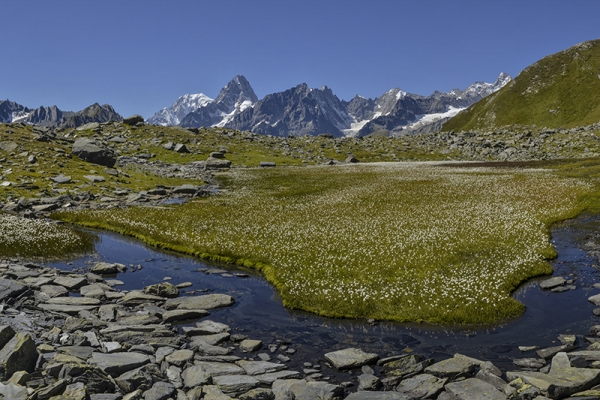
(258, 312)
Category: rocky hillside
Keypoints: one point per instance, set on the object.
(560, 90)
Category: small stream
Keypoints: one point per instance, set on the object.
(258, 312)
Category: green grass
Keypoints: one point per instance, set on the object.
(390, 241)
(561, 90)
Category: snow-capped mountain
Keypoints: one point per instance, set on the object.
(233, 99)
(178, 110)
(305, 111)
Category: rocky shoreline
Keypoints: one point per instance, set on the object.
(74, 335)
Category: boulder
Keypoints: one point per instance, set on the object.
(10, 288)
(451, 367)
(350, 358)
(196, 376)
(160, 391)
(181, 148)
(422, 386)
(552, 282)
(134, 119)
(163, 289)
(19, 354)
(250, 345)
(91, 151)
(216, 163)
(182, 315)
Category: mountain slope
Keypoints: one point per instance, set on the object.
(560, 90)
(9, 111)
(94, 113)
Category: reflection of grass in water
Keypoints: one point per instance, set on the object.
(31, 238)
(390, 241)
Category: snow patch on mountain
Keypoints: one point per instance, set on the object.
(178, 110)
(426, 119)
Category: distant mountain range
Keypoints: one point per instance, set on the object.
(54, 117)
(305, 111)
(561, 90)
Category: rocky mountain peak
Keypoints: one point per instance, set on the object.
(236, 92)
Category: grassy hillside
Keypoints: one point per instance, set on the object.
(560, 90)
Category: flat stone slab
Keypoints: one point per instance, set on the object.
(350, 358)
(269, 378)
(235, 384)
(69, 282)
(474, 389)
(303, 390)
(205, 349)
(552, 283)
(117, 363)
(422, 386)
(182, 315)
(196, 376)
(71, 310)
(206, 328)
(595, 299)
(220, 368)
(378, 396)
(203, 302)
(10, 288)
(74, 301)
(135, 298)
(588, 355)
(451, 367)
(260, 367)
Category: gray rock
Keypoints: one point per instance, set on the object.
(163, 289)
(422, 386)
(181, 315)
(259, 367)
(350, 358)
(212, 392)
(13, 392)
(204, 302)
(19, 354)
(296, 389)
(9, 289)
(135, 298)
(95, 178)
(562, 380)
(61, 179)
(196, 376)
(595, 299)
(369, 382)
(269, 378)
(472, 388)
(180, 357)
(70, 282)
(118, 363)
(66, 309)
(535, 363)
(216, 163)
(451, 368)
(207, 327)
(8, 146)
(181, 148)
(74, 301)
(379, 396)
(6, 334)
(552, 351)
(258, 394)
(205, 349)
(90, 151)
(160, 391)
(54, 290)
(185, 189)
(235, 384)
(552, 283)
(103, 268)
(220, 368)
(250, 345)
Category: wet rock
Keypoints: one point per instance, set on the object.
(164, 289)
(552, 351)
(552, 283)
(533, 363)
(206, 327)
(269, 378)
(135, 298)
(422, 386)
(474, 389)
(250, 345)
(350, 358)
(103, 268)
(369, 382)
(259, 367)
(203, 302)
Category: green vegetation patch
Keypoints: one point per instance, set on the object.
(403, 242)
(33, 238)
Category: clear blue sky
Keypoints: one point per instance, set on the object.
(140, 56)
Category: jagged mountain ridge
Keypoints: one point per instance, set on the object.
(54, 117)
(305, 111)
(561, 90)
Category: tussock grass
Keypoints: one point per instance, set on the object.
(402, 242)
(33, 239)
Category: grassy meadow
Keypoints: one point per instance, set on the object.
(397, 241)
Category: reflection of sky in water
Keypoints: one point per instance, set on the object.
(258, 312)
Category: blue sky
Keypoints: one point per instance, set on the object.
(139, 56)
